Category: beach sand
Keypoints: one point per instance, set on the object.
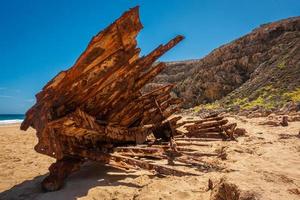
(264, 165)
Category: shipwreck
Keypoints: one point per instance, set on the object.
(96, 110)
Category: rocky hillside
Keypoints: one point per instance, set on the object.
(261, 63)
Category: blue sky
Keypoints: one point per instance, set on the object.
(40, 38)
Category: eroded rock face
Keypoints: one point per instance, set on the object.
(269, 54)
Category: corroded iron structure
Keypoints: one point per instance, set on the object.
(95, 110)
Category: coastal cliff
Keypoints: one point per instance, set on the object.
(251, 68)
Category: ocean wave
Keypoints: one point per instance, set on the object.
(11, 121)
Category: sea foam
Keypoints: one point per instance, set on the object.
(10, 121)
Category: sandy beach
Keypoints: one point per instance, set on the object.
(263, 165)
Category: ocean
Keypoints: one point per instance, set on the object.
(11, 118)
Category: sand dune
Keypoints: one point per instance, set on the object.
(263, 165)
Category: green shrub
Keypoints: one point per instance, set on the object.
(281, 65)
(294, 95)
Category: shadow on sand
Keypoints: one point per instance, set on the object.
(77, 185)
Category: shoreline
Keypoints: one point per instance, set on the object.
(11, 124)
